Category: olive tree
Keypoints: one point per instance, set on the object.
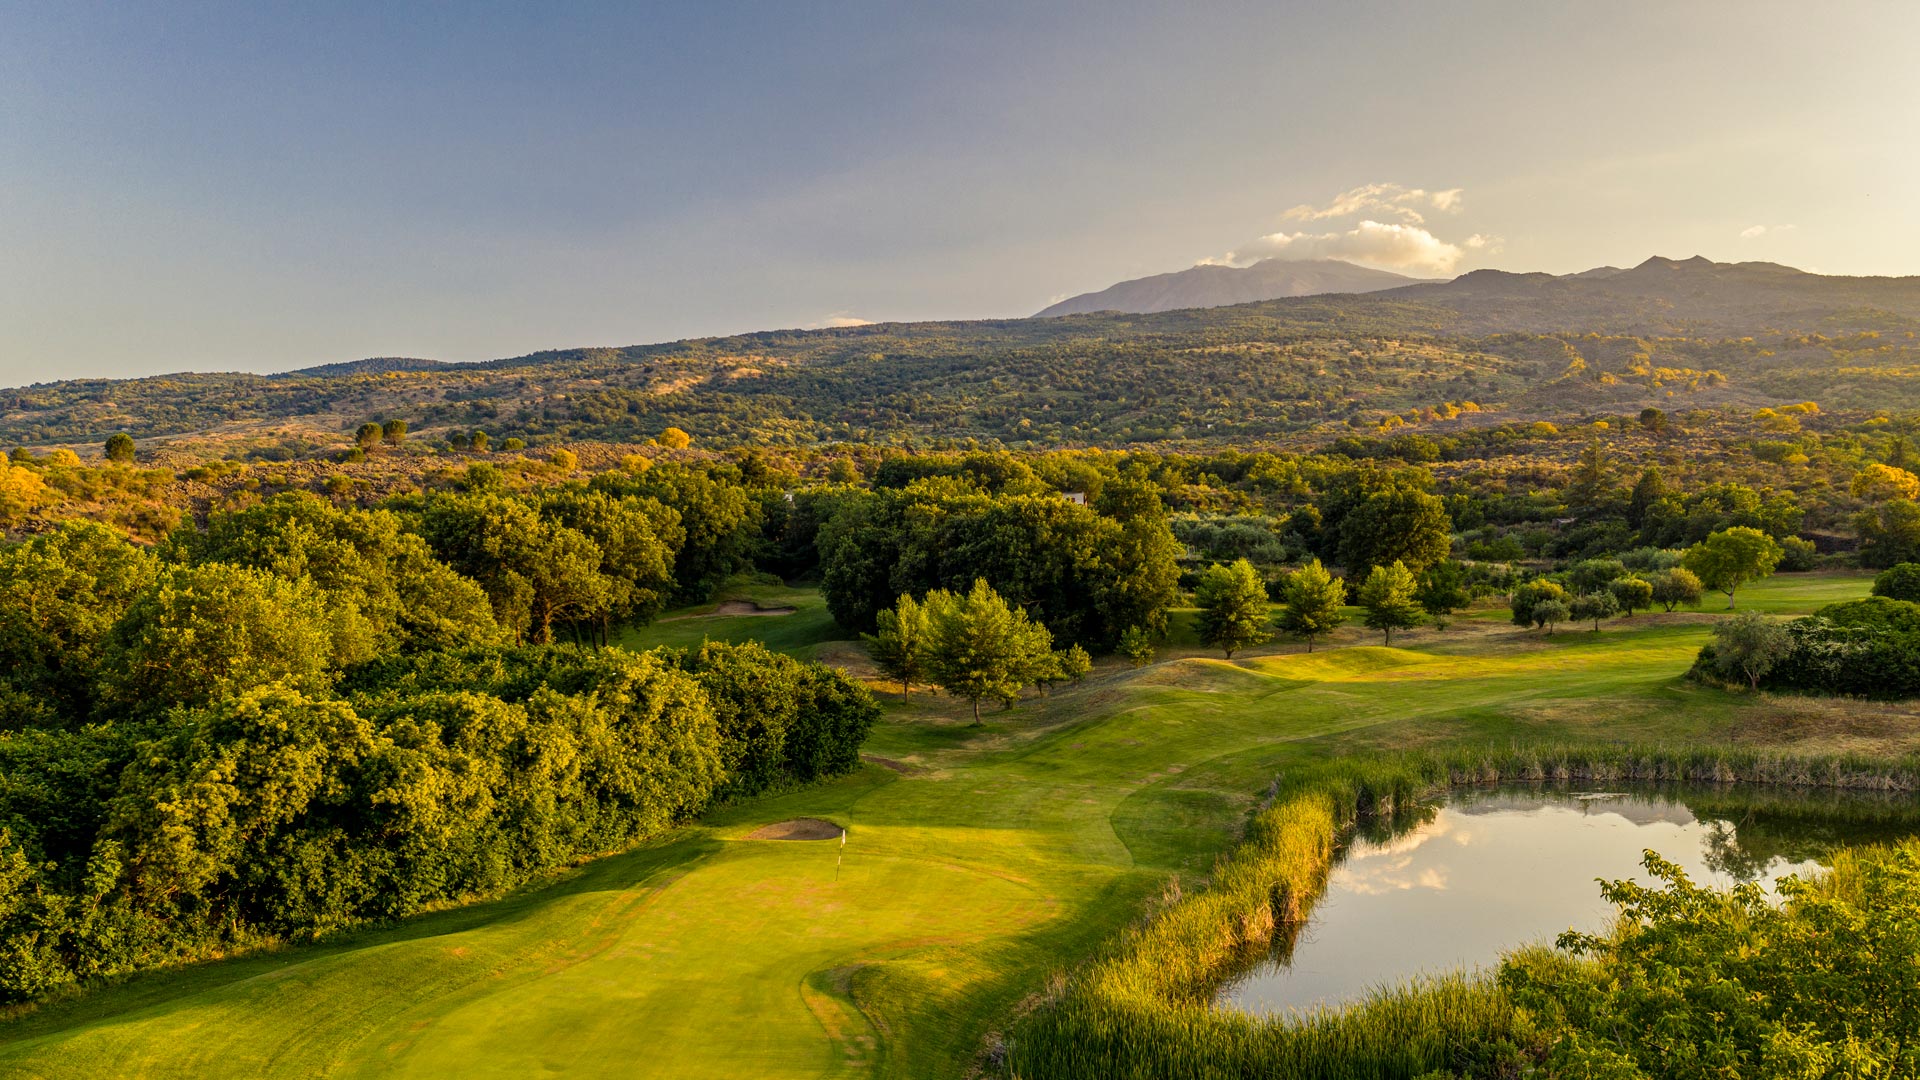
(1676, 586)
(1750, 644)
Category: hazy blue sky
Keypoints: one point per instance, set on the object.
(262, 186)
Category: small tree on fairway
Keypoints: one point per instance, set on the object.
(1632, 594)
(1550, 613)
(979, 646)
(1137, 646)
(1732, 557)
(1388, 598)
(1672, 588)
(1442, 591)
(1312, 598)
(1750, 644)
(120, 447)
(1593, 606)
(900, 646)
(1233, 606)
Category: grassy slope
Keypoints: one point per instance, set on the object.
(999, 855)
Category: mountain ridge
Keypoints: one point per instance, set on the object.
(1209, 285)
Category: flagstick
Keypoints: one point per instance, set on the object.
(841, 854)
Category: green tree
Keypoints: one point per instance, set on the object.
(1233, 606)
(1750, 644)
(1594, 575)
(368, 436)
(359, 558)
(60, 592)
(394, 432)
(1889, 533)
(1592, 488)
(202, 632)
(980, 646)
(120, 447)
(1593, 606)
(1648, 493)
(1138, 564)
(535, 571)
(1396, 525)
(1137, 646)
(719, 525)
(1632, 594)
(901, 644)
(1550, 613)
(1676, 586)
(1311, 600)
(1387, 594)
(1526, 597)
(1075, 663)
(1732, 557)
(1442, 591)
(478, 441)
(636, 537)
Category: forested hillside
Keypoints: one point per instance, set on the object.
(1672, 335)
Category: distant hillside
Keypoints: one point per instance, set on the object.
(1674, 296)
(1220, 286)
(378, 365)
(1673, 334)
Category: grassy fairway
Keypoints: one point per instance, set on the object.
(981, 860)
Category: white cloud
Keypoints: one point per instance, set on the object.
(1384, 245)
(839, 320)
(1391, 233)
(1754, 232)
(1385, 200)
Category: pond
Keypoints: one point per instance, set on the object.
(1489, 870)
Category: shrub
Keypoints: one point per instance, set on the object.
(1899, 582)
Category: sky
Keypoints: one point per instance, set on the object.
(266, 186)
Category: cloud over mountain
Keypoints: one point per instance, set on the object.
(1392, 232)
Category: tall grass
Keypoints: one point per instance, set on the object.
(1144, 1009)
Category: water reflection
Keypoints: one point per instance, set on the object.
(1489, 870)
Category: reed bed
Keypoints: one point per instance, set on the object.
(1144, 1009)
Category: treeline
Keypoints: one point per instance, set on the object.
(300, 717)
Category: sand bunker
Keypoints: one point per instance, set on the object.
(748, 607)
(800, 828)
